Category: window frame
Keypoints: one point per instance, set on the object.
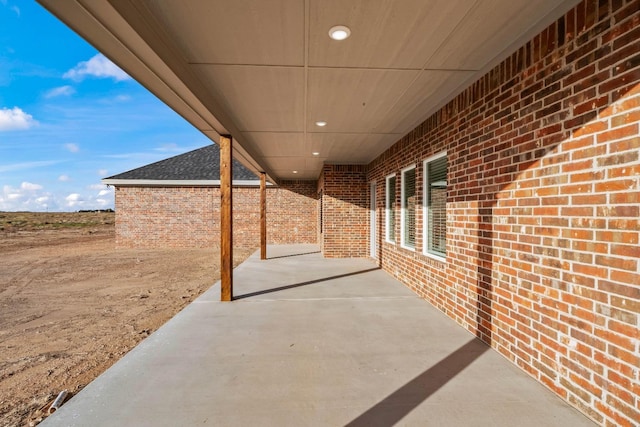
(403, 244)
(388, 207)
(425, 208)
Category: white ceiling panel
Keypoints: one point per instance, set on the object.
(313, 164)
(287, 163)
(279, 144)
(411, 107)
(361, 148)
(266, 70)
(295, 167)
(490, 27)
(287, 174)
(353, 100)
(258, 98)
(384, 34)
(235, 32)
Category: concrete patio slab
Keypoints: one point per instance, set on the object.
(313, 342)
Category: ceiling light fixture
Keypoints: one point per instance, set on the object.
(339, 32)
(295, 171)
(321, 123)
(315, 153)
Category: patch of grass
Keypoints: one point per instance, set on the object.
(26, 221)
(72, 224)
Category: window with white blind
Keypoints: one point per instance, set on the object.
(390, 209)
(435, 206)
(408, 219)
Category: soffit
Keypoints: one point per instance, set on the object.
(265, 71)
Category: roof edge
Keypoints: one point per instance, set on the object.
(178, 183)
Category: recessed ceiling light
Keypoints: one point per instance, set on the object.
(321, 123)
(315, 153)
(295, 171)
(339, 32)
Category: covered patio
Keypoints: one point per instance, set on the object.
(314, 341)
(483, 153)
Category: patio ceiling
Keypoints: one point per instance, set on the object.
(265, 71)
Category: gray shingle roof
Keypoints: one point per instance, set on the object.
(200, 164)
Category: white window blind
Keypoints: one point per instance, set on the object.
(409, 207)
(390, 222)
(436, 205)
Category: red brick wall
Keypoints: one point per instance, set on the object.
(189, 216)
(543, 253)
(345, 208)
(292, 213)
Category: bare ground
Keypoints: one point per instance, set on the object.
(71, 304)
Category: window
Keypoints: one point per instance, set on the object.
(408, 219)
(321, 219)
(435, 205)
(390, 209)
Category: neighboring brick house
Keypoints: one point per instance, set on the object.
(538, 154)
(176, 203)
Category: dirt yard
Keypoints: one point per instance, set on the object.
(71, 304)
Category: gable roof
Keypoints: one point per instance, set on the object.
(197, 167)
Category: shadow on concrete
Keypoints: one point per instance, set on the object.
(293, 255)
(398, 404)
(297, 285)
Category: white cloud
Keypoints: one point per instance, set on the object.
(10, 193)
(103, 172)
(28, 186)
(98, 66)
(15, 9)
(15, 119)
(27, 165)
(74, 148)
(60, 91)
(115, 100)
(102, 189)
(74, 200)
(32, 197)
(64, 178)
(26, 198)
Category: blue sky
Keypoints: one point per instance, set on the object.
(69, 117)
